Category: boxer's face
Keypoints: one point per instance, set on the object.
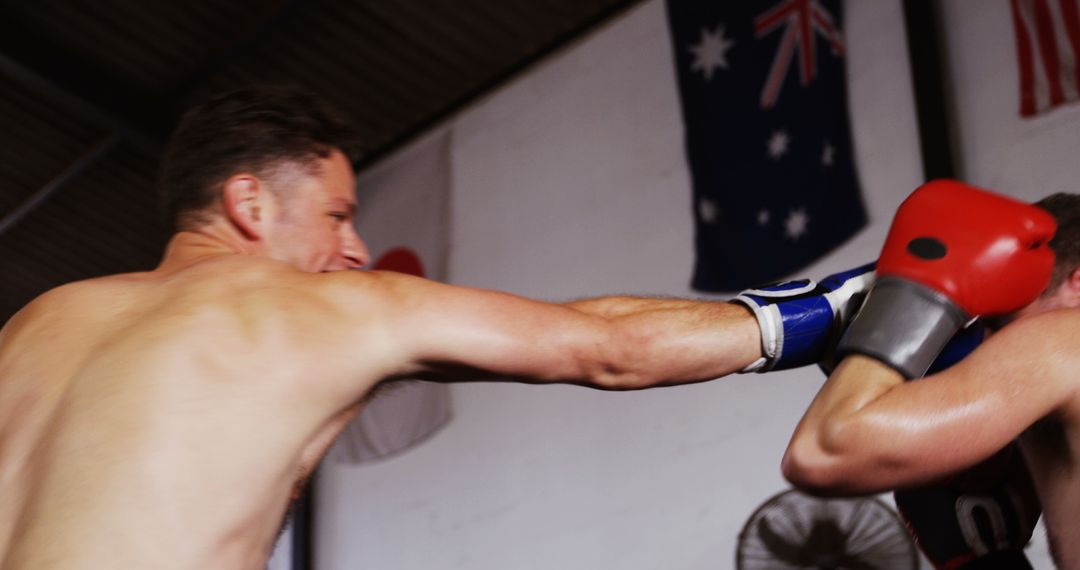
(312, 227)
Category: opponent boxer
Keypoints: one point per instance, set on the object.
(955, 253)
(981, 518)
(163, 419)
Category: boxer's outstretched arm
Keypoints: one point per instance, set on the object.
(868, 431)
(456, 333)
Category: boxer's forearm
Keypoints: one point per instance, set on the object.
(869, 431)
(616, 306)
(674, 341)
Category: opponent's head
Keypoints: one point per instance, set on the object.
(1064, 288)
(1065, 281)
(272, 166)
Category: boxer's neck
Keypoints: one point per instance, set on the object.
(186, 248)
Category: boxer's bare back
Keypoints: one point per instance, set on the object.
(165, 419)
(175, 411)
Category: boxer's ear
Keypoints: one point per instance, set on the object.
(243, 197)
(1068, 293)
(1073, 282)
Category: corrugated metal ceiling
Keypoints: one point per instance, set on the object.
(104, 81)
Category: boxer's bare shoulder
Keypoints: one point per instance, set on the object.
(1041, 351)
(153, 397)
(1052, 444)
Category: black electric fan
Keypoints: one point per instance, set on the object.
(795, 530)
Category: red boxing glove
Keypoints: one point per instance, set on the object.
(987, 252)
(954, 252)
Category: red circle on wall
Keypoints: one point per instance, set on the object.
(401, 260)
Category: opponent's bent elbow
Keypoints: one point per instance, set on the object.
(836, 460)
(806, 466)
(819, 462)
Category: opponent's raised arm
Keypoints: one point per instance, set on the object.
(869, 431)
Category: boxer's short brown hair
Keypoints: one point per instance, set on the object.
(252, 130)
(1066, 243)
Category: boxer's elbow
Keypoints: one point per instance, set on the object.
(824, 462)
(842, 458)
(615, 379)
(615, 374)
(619, 360)
(810, 468)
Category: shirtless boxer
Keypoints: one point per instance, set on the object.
(163, 419)
(869, 431)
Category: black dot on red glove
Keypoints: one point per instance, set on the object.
(927, 248)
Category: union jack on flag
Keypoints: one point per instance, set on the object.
(764, 104)
(1047, 46)
(800, 21)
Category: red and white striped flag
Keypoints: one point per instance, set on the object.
(1047, 44)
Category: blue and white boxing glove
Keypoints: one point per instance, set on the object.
(801, 321)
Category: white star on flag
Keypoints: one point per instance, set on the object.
(710, 53)
(828, 154)
(795, 224)
(778, 144)
(708, 211)
(763, 217)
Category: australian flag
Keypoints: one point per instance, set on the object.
(767, 139)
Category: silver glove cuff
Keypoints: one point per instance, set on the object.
(903, 324)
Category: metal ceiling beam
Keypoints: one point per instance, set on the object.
(76, 104)
(91, 91)
(86, 94)
(230, 53)
(73, 170)
(146, 119)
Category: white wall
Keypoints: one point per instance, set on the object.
(569, 182)
(1029, 158)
